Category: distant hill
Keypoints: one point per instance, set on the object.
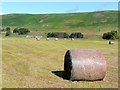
(87, 22)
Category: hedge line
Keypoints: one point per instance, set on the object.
(65, 35)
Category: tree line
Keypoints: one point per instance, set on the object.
(112, 35)
(19, 31)
(64, 35)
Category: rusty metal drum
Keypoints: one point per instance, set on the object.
(84, 64)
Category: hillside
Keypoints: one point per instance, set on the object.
(87, 22)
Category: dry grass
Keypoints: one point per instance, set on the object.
(39, 64)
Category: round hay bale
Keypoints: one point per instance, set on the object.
(65, 39)
(84, 64)
(47, 39)
(111, 42)
(38, 39)
(72, 38)
(56, 39)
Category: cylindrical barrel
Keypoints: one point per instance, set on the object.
(84, 64)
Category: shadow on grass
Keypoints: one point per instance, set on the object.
(59, 74)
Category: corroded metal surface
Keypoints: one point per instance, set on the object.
(84, 64)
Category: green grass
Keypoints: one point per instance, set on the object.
(61, 22)
(39, 64)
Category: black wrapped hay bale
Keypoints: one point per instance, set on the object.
(84, 64)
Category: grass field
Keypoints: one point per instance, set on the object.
(28, 63)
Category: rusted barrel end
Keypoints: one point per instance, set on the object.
(84, 64)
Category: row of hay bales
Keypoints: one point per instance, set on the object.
(57, 39)
(40, 37)
(110, 42)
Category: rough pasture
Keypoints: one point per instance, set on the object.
(39, 64)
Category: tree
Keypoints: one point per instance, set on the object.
(79, 35)
(15, 30)
(71, 35)
(8, 32)
(3, 30)
(66, 35)
(110, 35)
(58, 35)
(21, 31)
(48, 34)
(76, 35)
